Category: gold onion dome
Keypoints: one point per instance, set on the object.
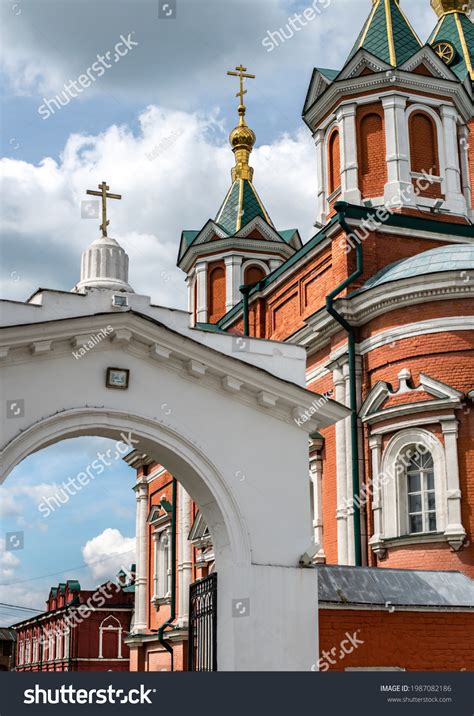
(442, 7)
(242, 138)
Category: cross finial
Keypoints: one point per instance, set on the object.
(241, 72)
(105, 195)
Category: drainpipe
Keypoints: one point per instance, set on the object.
(341, 208)
(245, 290)
(172, 616)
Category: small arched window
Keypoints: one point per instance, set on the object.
(423, 144)
(421, 496)
(110, 638)
(162, 577)
(372, 155)
(216, 294)
(253, 274)
(334, 162)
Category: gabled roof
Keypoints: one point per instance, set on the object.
(457, 29)
(387, 34)
(241, 205)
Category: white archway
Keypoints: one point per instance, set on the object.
(221, 419)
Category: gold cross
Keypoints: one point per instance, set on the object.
(241, 74)
(103, 193)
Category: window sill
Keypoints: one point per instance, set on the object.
(380, 545)
(159, 601)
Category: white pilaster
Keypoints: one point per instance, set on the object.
(455, 200)
(185, 563)
(274, 264)
(346, 119)
(454, 531)
(349, 490)
(399, 188)
(321, 209)
(233, 280)
(141, 494)
(201, 278)
(376, 541)
(341, 484)
(316, 478)
(465, 173)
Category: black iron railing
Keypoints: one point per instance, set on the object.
(202, 655)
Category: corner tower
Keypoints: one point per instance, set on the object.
(391, 126)
(241, 244)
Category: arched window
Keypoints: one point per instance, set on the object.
(423, 144)
(421, 494)
(162, 577)
(334, 162)
(110, 638)
(216, 294)
(372, 155)
(253, 274)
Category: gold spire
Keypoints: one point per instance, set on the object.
(242, 138)
(443, 7)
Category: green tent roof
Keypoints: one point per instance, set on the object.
(457, 29)
(387, 34)
(241, 205)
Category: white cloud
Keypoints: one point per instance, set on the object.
(12, 498)
(108, 552)
(180, 189)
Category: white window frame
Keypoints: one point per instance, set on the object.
(394, 488)
(113, 625)
(162, 566)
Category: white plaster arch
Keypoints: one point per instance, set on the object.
(113, 625)
(186, 461)
(249, 263)
(334, 126)
(393, 471)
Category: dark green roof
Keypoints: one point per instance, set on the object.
(329, 74)
(241, 205)
(287, 234)
(458, 29)
(387, 34)
(355, 212)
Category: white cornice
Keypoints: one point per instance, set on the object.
(258, 388)
(397, 82)
(369, 304)
(235, 244)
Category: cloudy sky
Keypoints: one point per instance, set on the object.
(153, 121)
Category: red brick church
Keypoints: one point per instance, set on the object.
(382, 298)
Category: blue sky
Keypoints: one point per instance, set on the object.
(155, 126)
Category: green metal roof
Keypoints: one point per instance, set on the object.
(287, 234)
(329, 74)
(387, 34)
(241, 205)
(457, 29)
(446, 258)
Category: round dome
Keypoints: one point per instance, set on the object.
(242, 136)
(441, 7)
(458, 257)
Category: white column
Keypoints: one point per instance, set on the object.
(185, 556)
(454, 531)
(341, 486)
(141, 494)
(376, 541)
(349, 489)
(321, 160)
(233, 280)
(464, 152)
(455, 200)
(399, 185)
(201, 278)
(316, 477)
(346, 119)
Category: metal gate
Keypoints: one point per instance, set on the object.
(202, 655)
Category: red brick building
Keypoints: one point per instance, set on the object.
(382, 298)
(81, 630)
